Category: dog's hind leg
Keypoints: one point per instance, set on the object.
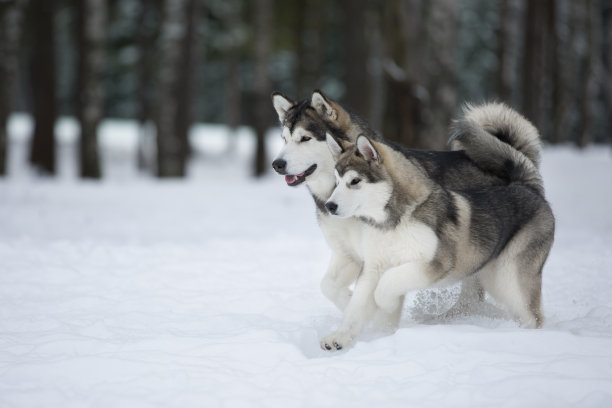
(341, 273)
(515, 279)
(471, 294)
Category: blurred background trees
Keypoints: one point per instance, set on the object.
(405, 65)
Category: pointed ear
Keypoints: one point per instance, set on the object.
(367, 150)
(282, 104)
(323, 106)
(335, 147)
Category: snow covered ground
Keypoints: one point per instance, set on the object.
(136, 293)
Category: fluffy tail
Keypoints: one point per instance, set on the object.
(501, 141)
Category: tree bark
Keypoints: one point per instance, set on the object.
(263, 50)
(421, 85)
(147, 33)
(402, 112)
(309, 34)
(170, 145)
(11, 13)
(91, 21)
(186, 79)
(441, 80)
(355, 58)
(507, 38)
(42, 154)
(591, 84)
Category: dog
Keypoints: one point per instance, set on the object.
(306, 159)
(418, 233)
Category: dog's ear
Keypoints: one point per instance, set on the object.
(367, 150)
(323, 106)
(335, 147)
(282, 104)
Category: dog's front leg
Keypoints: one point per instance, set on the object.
(358, 313)
(341, 273)
(397, 281)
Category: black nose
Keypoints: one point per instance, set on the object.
(331, 207)
(279, 165)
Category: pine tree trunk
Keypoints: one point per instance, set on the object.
(170, 148)
(263, 50)
(309, 32)
(90, 105)
(441, 81)
(421, 84)
(10, 32)
(186, 79)
(355, 58)
(402, 70)
(507, 38)
(607, 35)
(591, 84)
(566, 88)
(233, 92)
(42, 154)
(146, 36)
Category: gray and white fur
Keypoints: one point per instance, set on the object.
(306, 159)
(418, 233)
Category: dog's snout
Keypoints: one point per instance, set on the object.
(279, 165)
(331, 207)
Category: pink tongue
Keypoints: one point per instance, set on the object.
(289, 179)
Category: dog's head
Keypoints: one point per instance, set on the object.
(363, 186)
(305, 155)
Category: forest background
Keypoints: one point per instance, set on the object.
(406, 66)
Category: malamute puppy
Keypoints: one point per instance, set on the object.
(417, 233)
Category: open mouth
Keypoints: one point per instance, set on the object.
(294, 180)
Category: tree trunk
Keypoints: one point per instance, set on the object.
(309, 32)
(233, 25)
(421, 91)
(355, 58)
(567, 91)
(91, 21)
(441, 81)
(591, 84)
(170, 145)
(263, 50)
(507, 38)
(10, 32)
(607, 58)
(42, 155)
(534, 72)
(402, 108)
(146, 37)
(186, 79)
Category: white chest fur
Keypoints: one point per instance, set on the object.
(343, 235)
(409, 241)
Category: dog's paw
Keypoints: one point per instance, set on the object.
(336, 341)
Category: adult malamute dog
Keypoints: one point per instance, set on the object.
(417, 233)
(306, 159)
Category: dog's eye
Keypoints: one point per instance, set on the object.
(305, 139)
(355, 181)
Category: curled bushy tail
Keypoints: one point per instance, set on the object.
(501, 141)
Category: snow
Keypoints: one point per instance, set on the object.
(132, 292)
